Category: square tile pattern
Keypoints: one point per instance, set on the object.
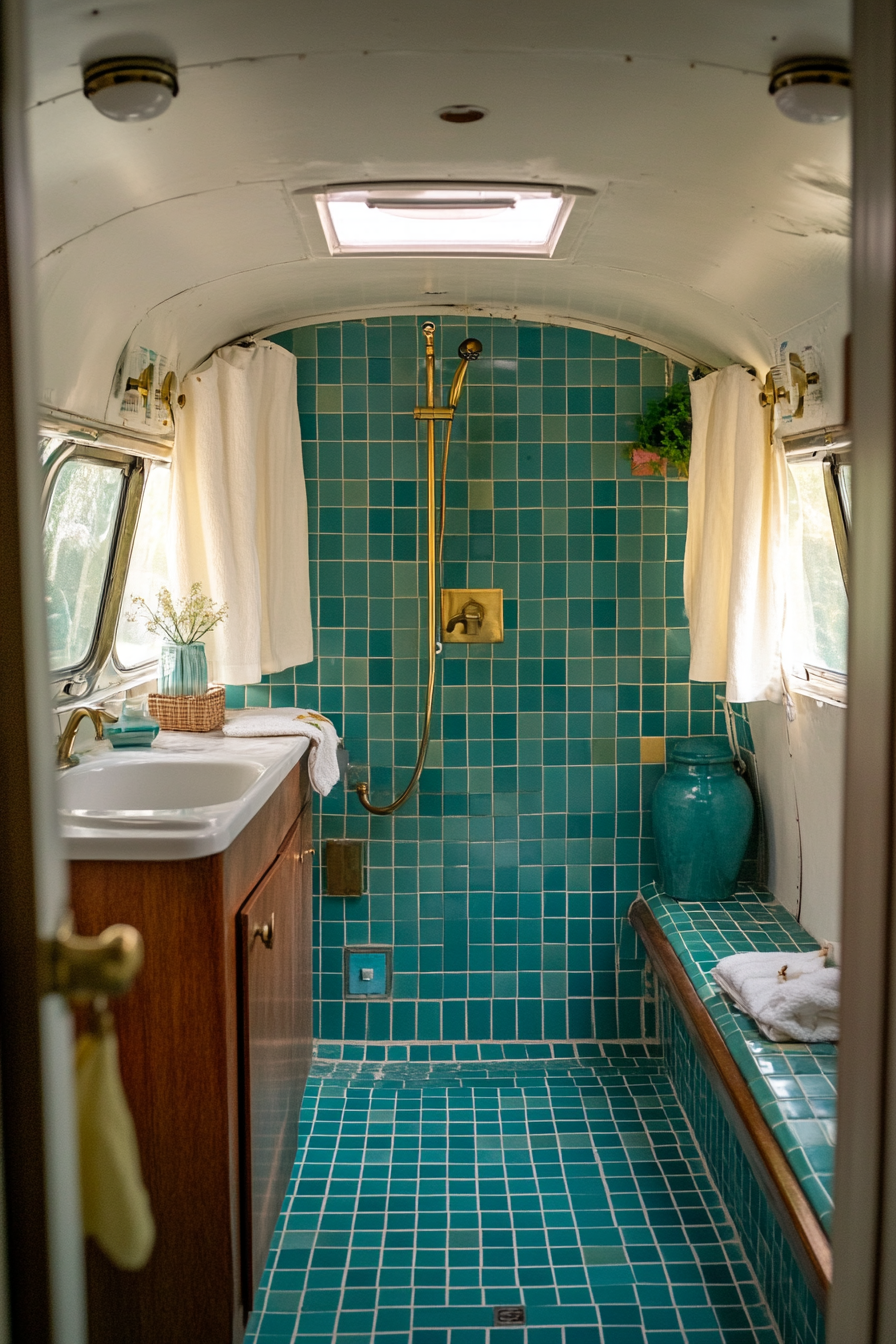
(794, 1084)
(780, 1277)
(503, 884)
(426, 1195)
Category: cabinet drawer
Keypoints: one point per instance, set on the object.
(270, 1052)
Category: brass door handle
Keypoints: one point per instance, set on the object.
(83, 968)
(305, 852)
(265, 932)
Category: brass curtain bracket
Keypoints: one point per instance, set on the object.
(142, 385)
(166, 395)
(788, 381)
(82, 968)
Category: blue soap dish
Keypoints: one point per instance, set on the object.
(134, 728)
(132, 734)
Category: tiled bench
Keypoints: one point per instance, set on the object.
(779, 1098)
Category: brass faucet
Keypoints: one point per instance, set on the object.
(64, 758)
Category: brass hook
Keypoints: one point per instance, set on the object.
(265, 932)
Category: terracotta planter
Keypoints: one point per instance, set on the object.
(646, 463)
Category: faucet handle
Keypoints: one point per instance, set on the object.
(98, 717)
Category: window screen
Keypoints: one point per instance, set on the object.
(817, 609)
(78, 537)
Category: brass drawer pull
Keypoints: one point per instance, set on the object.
(265, 932)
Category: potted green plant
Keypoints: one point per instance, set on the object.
(183, 668)
(664, 435)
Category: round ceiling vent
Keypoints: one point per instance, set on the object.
(461, 113)
(813, 89)
(131, 88)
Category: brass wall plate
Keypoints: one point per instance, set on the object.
(491, 626)
(346, 867)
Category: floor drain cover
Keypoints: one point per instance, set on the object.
(510, 1315)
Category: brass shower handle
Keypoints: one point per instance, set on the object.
(471, 616)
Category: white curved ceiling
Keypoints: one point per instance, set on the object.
(717, 225)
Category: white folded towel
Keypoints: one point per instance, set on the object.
(790, 995)
(806, 1009)
(323, 762)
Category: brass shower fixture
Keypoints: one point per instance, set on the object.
(468, 350)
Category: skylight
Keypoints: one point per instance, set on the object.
(444, 220)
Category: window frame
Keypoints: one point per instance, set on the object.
(832, 446)
(98, 671)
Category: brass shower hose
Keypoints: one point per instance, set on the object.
(468, 350)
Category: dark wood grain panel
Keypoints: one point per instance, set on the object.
(304, 960)
(244, 864)
(797, 1218)
(247, 860)
(178, 1035)
(270, 1092)
(171, 1028)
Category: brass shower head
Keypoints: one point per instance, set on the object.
(470, 348)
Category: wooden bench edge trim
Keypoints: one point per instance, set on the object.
(798, 1220)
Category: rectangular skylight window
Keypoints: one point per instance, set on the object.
(452, 220)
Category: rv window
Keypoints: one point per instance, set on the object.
(79, 533)
(147, 571)
(817, 609)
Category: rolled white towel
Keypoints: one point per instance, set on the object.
(777, 989)
(323, 762)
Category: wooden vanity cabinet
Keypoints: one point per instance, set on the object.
(215, 1047)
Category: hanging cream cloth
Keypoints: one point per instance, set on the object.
(239, 520)
(735, 559)
(114, 1200)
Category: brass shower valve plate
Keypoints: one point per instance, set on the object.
(477, 610)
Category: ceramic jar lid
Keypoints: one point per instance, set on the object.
(701, 751)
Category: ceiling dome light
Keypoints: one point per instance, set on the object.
(462, 113)
(131, 88)
(814, 89)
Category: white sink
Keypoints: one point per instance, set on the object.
(190, 795)
(154, 784)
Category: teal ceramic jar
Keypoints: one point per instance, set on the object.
(183, 669)
(702, 817)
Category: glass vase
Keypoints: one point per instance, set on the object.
(183, 669)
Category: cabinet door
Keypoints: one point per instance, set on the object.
(270, 1055)
(304, 954)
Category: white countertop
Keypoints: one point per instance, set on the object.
(179, 832)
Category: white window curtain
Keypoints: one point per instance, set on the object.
(735, 561)
(239, 522)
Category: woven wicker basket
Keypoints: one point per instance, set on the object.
(189, 713)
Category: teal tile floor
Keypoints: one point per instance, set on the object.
(795, 1085)
(427, 1194)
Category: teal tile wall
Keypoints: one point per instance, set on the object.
(504, 883)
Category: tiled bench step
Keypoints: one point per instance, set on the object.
(797, 1218)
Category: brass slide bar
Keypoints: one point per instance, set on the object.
(469, 350)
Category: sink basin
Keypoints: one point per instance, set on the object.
(188, 797)
(155, 785)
